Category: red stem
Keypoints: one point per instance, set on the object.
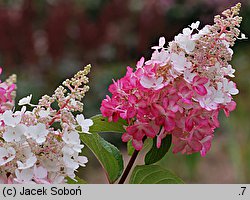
(58, 112)
(128, 168)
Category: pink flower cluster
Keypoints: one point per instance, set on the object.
(181, 89)
(7, 92)
(43, 145)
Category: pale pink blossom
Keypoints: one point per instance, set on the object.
(6, 155)
(152, 82)
(84, 123)
(25, 100)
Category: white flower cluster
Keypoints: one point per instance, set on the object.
(200, 57)
(32, 149)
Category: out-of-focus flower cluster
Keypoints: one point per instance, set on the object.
(43, 145)
(181, 89)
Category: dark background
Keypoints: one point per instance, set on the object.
(46, 41)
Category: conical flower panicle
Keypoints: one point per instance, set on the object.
(181, 89)
(43, 145)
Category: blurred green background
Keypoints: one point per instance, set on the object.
(46, 41)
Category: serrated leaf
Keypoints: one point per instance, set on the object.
(155, 154)
(78, 180)
(107, 154)
(101, 124)
(153, 174)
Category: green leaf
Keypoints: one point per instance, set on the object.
(130, 148)
(101, 124)
(147, 144)
(107, 154)
(153, 174)
(78, 180)
(155, 154)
